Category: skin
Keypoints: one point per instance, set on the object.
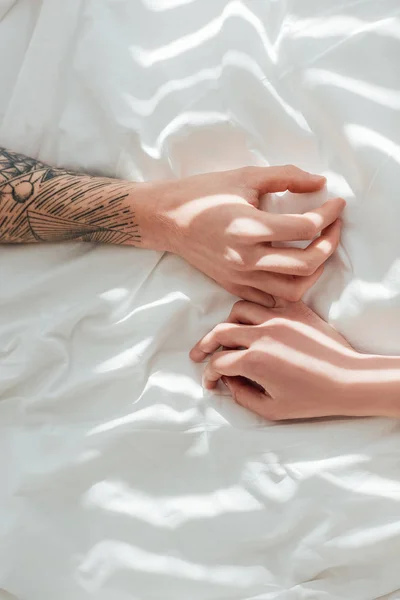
(303, 368)
(211, 220)
(214, 223)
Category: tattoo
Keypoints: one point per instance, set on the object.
(41, 203)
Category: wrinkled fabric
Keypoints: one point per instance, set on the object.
(120, 477)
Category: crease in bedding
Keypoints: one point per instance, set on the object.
(121, 478)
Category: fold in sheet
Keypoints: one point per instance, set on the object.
(120, 477)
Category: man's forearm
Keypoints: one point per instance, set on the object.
(39, 203)
(211, 220)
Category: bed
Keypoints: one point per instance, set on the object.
(120, 477)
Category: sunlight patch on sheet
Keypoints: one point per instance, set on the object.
(169, 298)
(186, 121)
(115, 294)
(343, 26)
(115, 424)
(309, 468)
(376, 93)
(232, 58)
(168, 511)
(88, 455)
(108, 557)
(148, 58)
(235, 59)
(338, 185)
(146, 107)
(163, 5)
(369, 536)
(176, 383)
(128, 357)
(158, 415)
(363, 136)
(369, 484)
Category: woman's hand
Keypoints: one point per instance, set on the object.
(302, 366)
(213, 222)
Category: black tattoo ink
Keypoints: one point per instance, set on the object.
(42, 203)
(46, 228)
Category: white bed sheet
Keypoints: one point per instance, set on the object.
(120, 478)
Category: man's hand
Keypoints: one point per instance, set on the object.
(302, 366)
(213, 222)
(210, 220)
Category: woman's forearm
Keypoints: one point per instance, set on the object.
(39, 203)
(376, 385)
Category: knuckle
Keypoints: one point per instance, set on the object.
(245, 170)
(250, 195)
(246, 260)
(291, 172)
(221, 329)
(253, 359)
(308, 267)
(236, 234)
(308, 229)
(246, 174)
(243, 267)
(241, 304)
(243, 264)
(301, 269)
(274, 328)
(233, 234)
(236, 260)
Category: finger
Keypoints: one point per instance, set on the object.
(253, 314)
(288, 287)
(294, 261)
(229, 335)
(248, 313)
(228, 363)
(287, 177)
(247, 395)
(303, 227)
(253, 294)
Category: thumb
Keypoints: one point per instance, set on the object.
(247, 395)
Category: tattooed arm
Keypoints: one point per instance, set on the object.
(41, 204)
(211, 220)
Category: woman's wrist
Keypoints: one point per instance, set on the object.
(372, 386)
